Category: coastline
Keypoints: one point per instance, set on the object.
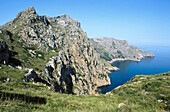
(114, 68)
(124, 59)
(129, 59)
(111, 68)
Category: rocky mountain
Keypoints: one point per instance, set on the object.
(112, 49)
(54, 50)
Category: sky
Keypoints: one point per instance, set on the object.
(140, 22)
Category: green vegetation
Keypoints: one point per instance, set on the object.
(140, 94)
(29, 56)
(106, 63)
(106, 56)
(101, 50)
(147, 92)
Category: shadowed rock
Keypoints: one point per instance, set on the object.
(4, 52)
(76, 67)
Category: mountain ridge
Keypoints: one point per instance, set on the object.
(58, 50)
(113, 50)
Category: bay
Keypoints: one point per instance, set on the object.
(147, 66)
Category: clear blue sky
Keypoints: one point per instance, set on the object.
(138, 21)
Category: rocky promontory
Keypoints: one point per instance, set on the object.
(113, 50)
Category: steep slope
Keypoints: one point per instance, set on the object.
(112, 49)
(143, 93)
(57, 49)
(147, 91)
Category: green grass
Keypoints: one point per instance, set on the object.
(132, 94)
(15, 75)
(38, 61)
(146, 92)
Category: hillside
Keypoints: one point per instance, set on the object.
(48, 64)
(143, 93)
(54, 50)
(112, 50)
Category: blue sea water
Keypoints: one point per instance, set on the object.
(148, 66)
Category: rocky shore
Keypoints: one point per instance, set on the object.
(126, 59)
(111, 68)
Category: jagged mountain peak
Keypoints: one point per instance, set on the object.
(27, 12)
(58, 50)
(64, 16)
(30, 10)
(21, 18)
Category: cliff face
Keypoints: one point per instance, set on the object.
(113, 49)
(59, 45)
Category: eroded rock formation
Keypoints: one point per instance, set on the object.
(74, 66)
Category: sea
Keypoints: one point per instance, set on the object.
(147, 66)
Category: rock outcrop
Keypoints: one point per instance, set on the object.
(74, 66)
(113, 50)
(4, 53)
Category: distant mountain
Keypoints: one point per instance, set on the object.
(112, 50)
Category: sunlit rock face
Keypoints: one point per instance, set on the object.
(113, 49)
(76, 68)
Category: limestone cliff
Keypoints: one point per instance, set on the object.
(71, 65)
(112, 49)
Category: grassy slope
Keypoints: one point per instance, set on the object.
(27, 61)
(138, 94)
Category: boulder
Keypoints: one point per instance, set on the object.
(31, 75)
(121, 105)
(7, 79)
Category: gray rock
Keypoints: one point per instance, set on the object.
(30, 75)
(33, 20)
(49, 71)
(43, 19)
(76, 67)
(19, 67)
(7, 80)
(110, 48)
